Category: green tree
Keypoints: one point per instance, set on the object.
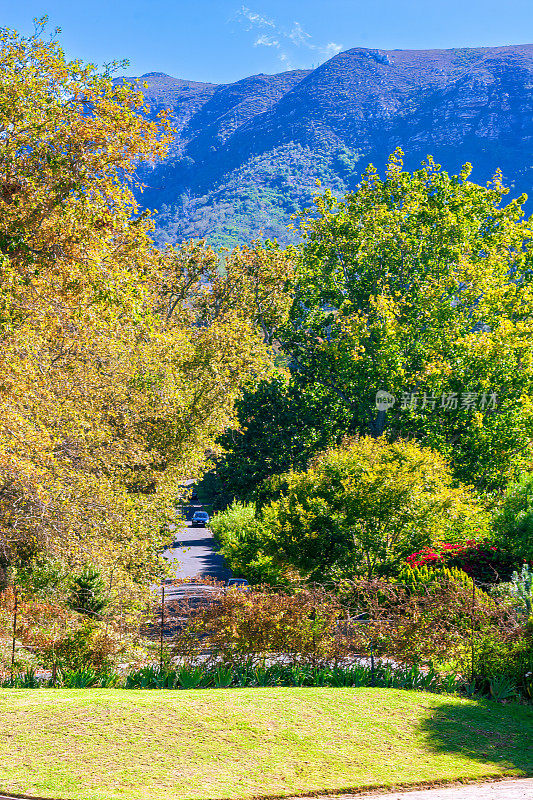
(280, 425)
(513, 523)
(88, 594)
(243, 540)
(420, 285)
(363, 508)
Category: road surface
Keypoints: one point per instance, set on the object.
(493, 790)
(196, 554)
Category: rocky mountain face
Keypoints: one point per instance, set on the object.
(247, 155)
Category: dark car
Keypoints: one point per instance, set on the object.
(238, 583)
(200, 519)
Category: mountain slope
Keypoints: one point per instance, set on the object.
(247, 155)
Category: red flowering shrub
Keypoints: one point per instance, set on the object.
(484, 563)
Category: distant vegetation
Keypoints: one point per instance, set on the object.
(247, 155)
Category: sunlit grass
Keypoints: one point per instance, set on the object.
(239, 743)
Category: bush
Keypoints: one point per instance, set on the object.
(243, 543)
(252, 626)
(483, 562)
(361, 509)
(513, 524)
(519, 590)
(404, 623)
(86, 647)
(88, 593)
(57, 636)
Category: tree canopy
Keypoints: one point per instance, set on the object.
(420, 285)
(364, 507)
(119, 368)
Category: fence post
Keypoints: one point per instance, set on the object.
(162, 624)
(15, 609)
(472, 633)
(372, 665)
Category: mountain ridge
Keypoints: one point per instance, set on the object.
(248, 154)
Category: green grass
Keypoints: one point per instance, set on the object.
(239, 743)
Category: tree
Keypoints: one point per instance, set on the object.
(119, 370)
(280, 426)
(420, 285)
(242, 540)
(88, 593)
(363, 508)
(513, 523)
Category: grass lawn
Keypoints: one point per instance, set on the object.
(240, 743)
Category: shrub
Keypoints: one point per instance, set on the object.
(405, 623)
(243, 543)
(88, 593)
(513, 524)
(361, 509)
(483, 562)
(251, 626)
(57, 636)
(519, 590)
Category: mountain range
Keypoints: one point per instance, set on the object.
(247, 155)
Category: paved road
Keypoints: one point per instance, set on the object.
(197, 554)
(494, 790)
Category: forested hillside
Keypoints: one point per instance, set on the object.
(247, 155)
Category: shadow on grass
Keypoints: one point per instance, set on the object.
(483, 731)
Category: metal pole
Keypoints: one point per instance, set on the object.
(162, 625)
(372, 666)
(472, 630)
(14, 632)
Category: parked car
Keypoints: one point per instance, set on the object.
(200, 519)
(238, 583)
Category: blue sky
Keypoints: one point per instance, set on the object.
(221, 41)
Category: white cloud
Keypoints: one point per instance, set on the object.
(286, 61)
(288, 42)
(299, 36)
(253, 18)
(266, 41)
(331, 49)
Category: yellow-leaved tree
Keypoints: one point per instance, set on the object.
(119, 364)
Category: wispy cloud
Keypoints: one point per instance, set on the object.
(299, 36)
(331, 49)
(266, 41)
(289, 42)
(253, 19)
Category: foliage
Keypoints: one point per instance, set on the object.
(420, 284)
(478, 636)
(58, 637)
(363, 508)
(418, 578)
(88, 595)
(242, 540)
(485, 563)
(281, 425)
(519, 589)
(43, 578)
(522, 587)
(119, 369)
(250, 626)
(513, 523)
